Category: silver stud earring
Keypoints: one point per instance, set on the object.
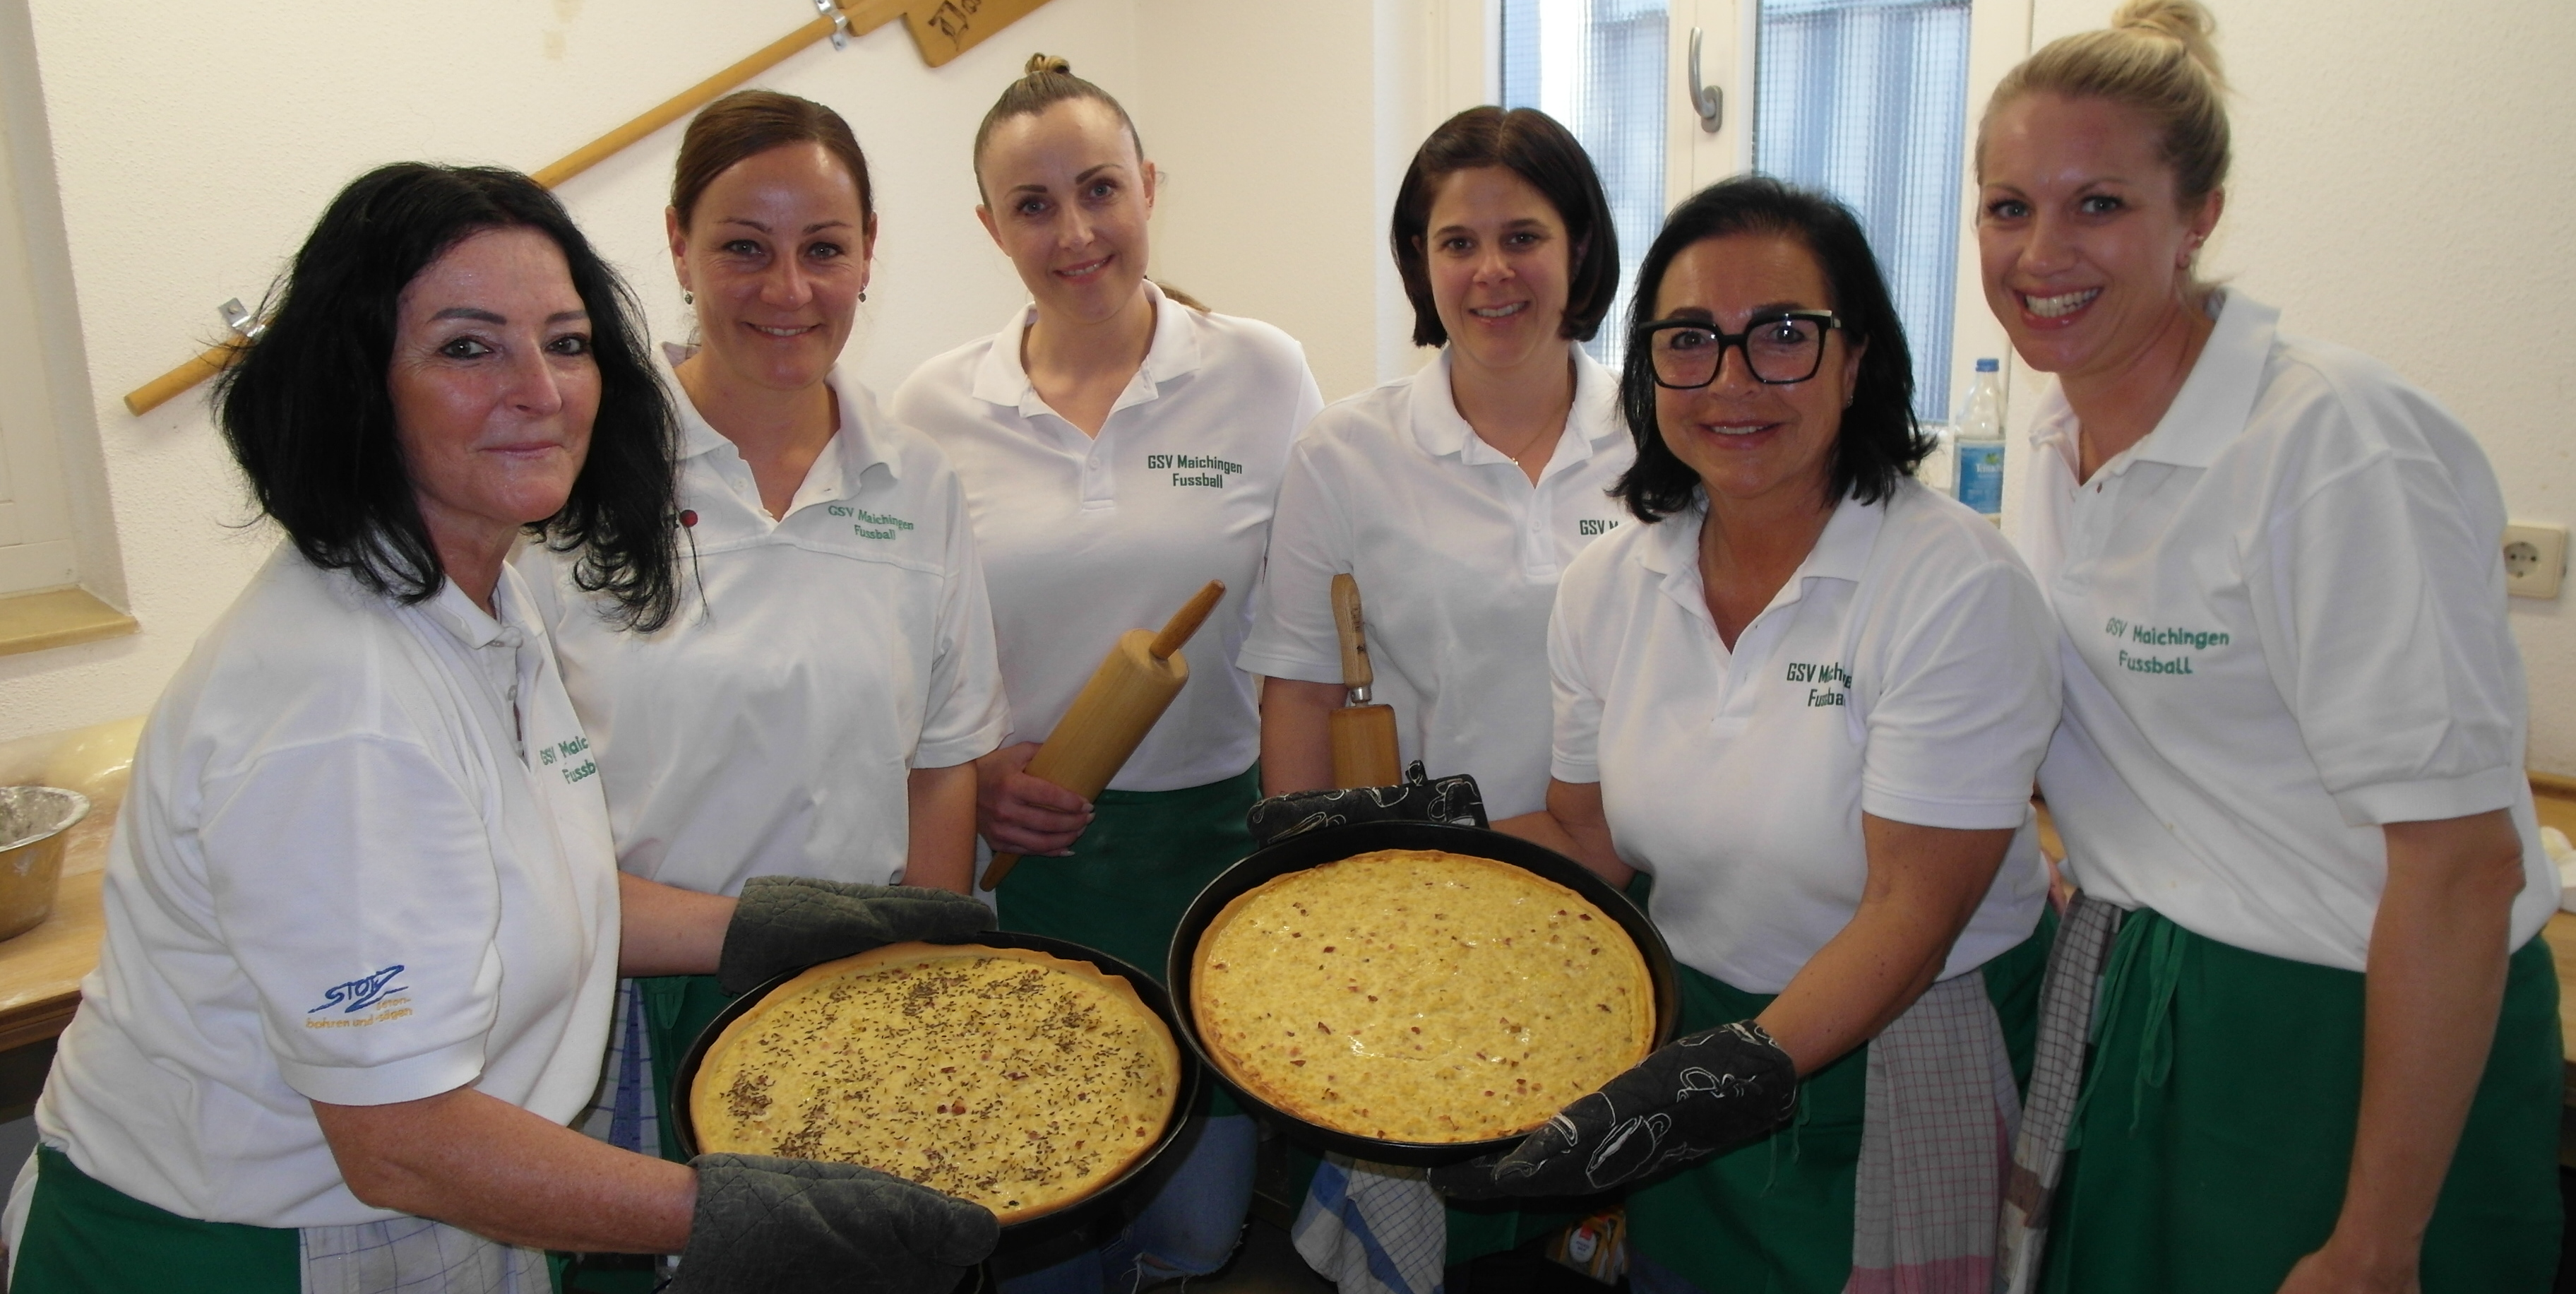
(863, 294)
(688, 298)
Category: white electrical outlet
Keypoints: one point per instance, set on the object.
(2535, 558)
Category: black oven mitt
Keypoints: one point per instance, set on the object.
(785, 923)
(1453, 800)
(1695, 1097)
(764, 1223)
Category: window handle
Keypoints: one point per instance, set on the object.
(1707, 99)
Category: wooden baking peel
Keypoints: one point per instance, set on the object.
(1364, 747)
(1136, 681)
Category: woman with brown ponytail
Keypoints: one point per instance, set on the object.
(815, 707)
(1119, 448)
(2325, 1053)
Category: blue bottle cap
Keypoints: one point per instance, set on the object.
(1989, 365)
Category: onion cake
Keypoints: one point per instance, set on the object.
(1017, 1080)
(1420, 996)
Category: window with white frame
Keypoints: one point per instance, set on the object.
(1868, 100)
(1597, 66)
(36, 548)
(1864, 99)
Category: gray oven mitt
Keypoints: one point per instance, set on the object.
(786, 923)
(786, 1225)
(1453, 800)
(1695, 1097)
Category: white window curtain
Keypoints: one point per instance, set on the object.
(1867, 100)
(1598, 67)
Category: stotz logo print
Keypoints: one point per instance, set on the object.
(1194, 469)
(369, 993)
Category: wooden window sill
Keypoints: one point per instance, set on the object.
(57, 618)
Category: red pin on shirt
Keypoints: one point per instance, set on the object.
(689, 518)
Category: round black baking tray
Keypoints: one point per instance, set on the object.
(1064, 1216)
(1332, 844)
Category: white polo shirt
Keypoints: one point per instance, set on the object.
(1085, 538)
(1457, 557)
(814, 662)
(363, 860)
(2284, 626)
(1904, 671)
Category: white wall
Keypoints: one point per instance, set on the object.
(192, 152)
(1283, 131)
(1259, 115)
(2403, 184)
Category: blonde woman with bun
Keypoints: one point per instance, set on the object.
(2326, 1041)
(1120, 448)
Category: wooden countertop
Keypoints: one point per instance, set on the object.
(41, 970)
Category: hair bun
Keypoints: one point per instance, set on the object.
(1042, 64)
(2185, 22)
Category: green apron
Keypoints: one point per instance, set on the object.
(1132, 875)
(1774, 1216)
(677, 1008)
(2215, 1130)
(84, 1235)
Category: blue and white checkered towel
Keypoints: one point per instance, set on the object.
(1373, 1228)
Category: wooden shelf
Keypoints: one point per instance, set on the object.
(57, 618)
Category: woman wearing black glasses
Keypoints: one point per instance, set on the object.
(1807, 696)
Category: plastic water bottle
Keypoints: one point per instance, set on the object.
(1980, 439)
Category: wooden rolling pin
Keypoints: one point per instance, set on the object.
(1136, 681)
(1364, 746)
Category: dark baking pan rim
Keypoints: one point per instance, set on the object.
(1331, 844)
(1064, 1216)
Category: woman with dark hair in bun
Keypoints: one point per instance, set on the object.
(1806, 695)
(363, 924)
(1120, 448)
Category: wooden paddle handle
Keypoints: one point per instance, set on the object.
(1364, 746)
(1354, 634)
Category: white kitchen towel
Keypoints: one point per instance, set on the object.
(623, 1112)
(417, 1256)
(2066, 1003)
(1936, 1135)
(1373, 1228)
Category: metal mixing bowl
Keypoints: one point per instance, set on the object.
(33, 820)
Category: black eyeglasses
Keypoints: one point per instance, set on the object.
(1780, 348)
